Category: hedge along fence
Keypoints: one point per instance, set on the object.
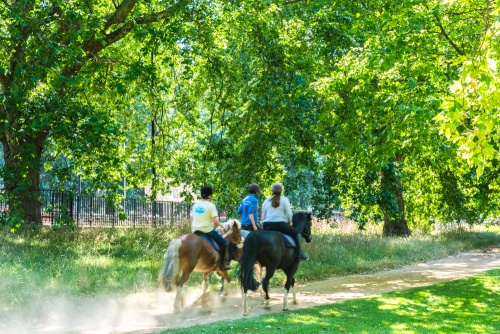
(65, 208)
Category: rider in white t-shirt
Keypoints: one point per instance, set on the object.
(203, 218)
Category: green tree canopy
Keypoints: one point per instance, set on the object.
(342, 101)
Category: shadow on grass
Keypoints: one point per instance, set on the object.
(462, 306)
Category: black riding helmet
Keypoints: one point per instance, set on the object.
(253, 188)
(206, 192)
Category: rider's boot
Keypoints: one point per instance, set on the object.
(224, 259)
(300, 253)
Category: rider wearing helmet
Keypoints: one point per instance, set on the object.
(249, 209)
(277, 215)
(203, 218)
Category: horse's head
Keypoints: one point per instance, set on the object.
(302, 221)
(233, 233)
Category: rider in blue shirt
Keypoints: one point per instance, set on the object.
(249, 209)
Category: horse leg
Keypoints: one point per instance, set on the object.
(285, 301)
(265, 286)
(221, 285)
(294, 294)
(259, 272)
(225, 277)
(223, 288)
(244, 304)
(178, 300)
(258, 277)
(204, 284)
(290, 282)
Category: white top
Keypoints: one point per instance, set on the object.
(202, 215)
(283, 213)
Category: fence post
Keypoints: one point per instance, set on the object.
(153, 213)
(52, 200)
(77, 209)
(135, 212)
(91, 210)
(71, 205)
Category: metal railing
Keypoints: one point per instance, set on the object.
(67, 208)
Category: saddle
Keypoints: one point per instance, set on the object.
(289, 241)
(211, 241)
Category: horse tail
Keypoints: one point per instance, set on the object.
(168, 273)
(247, 261)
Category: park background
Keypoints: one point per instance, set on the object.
(384, 110)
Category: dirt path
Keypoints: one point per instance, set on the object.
(150, 313)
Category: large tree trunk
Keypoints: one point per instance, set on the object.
(22, 177)
(393, 204)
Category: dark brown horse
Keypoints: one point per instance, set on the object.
(189, 253)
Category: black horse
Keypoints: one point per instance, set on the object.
(271, 251)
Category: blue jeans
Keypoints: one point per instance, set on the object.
(217, 237)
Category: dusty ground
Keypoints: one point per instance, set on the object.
(150, 313)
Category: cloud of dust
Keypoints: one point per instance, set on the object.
(109, 313)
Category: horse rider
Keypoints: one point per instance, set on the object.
(277, 215)
(203, 218)
(249, 209)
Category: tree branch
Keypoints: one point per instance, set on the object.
(120, 14)
(93, 47)
(447, 37)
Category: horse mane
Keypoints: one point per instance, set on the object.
(227, 227)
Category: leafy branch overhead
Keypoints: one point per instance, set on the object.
(345, 102)
(470, 113)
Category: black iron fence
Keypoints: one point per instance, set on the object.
(67, 208)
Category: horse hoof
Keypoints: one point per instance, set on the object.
(244, 314)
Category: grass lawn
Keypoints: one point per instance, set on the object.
(468, 305)
(44, 263)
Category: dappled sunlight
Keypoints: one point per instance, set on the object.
(402, 328)
(457, 270)
(391, 304)
(305, 319)
(94, 261)
(478, 328)
(58, 308)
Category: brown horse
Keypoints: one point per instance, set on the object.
(189, 253)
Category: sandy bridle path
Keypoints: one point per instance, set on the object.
(152, 312)
(337, 289)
